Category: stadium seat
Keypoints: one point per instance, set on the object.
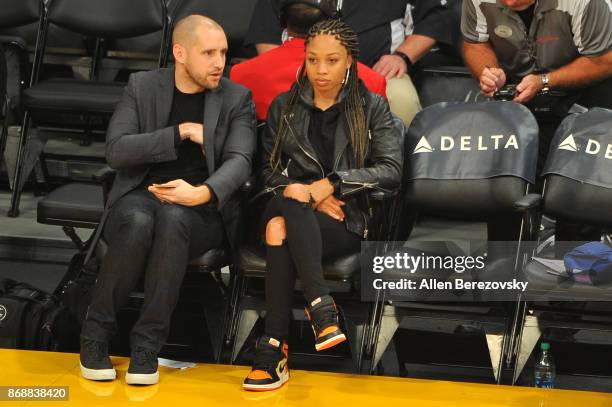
(110, 19)
(451, 205)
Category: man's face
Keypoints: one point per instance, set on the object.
(518, 5)
(204, 57)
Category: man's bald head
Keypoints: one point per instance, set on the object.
(186, 28)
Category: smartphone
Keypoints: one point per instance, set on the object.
(162, 186)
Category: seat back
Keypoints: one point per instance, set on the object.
(578, 170)
(437, 84)
(18, 13)
(109, 18)
(470, 160)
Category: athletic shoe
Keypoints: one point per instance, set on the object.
(270, 370)
(323, 316)
(143, 367)
(94, 361)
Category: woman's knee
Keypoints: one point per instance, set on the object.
(276, 232)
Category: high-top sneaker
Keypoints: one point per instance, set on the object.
(270, 370)
(143, 367)
(323, 315)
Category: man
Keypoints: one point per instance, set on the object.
(274, 72)
(384, 46)
(548, 44)
(182, 140)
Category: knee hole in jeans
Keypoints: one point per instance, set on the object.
(276, 233)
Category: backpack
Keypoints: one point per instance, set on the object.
(75, 290)
(28, 317)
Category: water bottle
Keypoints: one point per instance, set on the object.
(545, 368)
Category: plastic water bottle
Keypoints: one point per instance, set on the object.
(545, 368)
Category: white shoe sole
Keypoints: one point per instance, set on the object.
(134, 378)
(98, 374)
(330, 343)
(265, 387)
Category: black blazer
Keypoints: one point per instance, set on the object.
(139, 136)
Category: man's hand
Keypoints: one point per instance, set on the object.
(391, 66)
(528, 88)
(491, 80)
(332, 207)
(181, 193)
(193, 132)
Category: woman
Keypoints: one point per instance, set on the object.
(328, 139)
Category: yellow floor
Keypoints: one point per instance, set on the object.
(219, 385)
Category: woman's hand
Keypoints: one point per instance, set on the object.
(332, 207)
(320, 190)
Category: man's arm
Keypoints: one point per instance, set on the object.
(583, 71)
(126, 146)
(484, 65)
(237, 152)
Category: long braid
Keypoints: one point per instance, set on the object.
(353, 106)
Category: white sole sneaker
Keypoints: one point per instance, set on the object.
(284, 378)
(135, 378)
(98, 374)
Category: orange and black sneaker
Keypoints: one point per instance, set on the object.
(270, 370)
(323, 316)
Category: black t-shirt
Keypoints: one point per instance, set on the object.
(322, 134)
(191, 162)
(527, 15)
(371, 20)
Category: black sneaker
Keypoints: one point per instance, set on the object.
(143, 367)
(323, 316)
(270, 370)
(94, 361)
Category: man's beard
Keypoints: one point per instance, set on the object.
(208, 85)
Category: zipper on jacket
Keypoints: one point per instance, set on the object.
(302, 148)
(365, 226)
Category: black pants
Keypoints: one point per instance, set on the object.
(311, 238)
(146, 237)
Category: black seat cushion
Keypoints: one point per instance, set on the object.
(252, 262)
(542, 282)
(75, 204)
(74, 95)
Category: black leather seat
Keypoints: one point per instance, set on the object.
(76, 205)
(252, 262)
(74, 95)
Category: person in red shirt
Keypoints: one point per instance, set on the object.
(273, 73)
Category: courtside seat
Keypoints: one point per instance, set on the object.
(252, 262)
(75, 95)
(76, 205)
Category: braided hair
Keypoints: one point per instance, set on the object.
(353, 107)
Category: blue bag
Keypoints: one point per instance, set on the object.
(590, 263)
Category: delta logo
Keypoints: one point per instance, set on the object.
(593, 147)
(469, 143)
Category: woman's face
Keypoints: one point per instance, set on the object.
(326, 63)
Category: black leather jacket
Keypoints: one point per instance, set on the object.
(299, 162)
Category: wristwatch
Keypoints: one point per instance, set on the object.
(405, 58)
(545, 82)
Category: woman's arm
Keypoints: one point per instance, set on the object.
(385, 158)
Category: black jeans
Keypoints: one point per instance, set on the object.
(146, 237)
(311, 238)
